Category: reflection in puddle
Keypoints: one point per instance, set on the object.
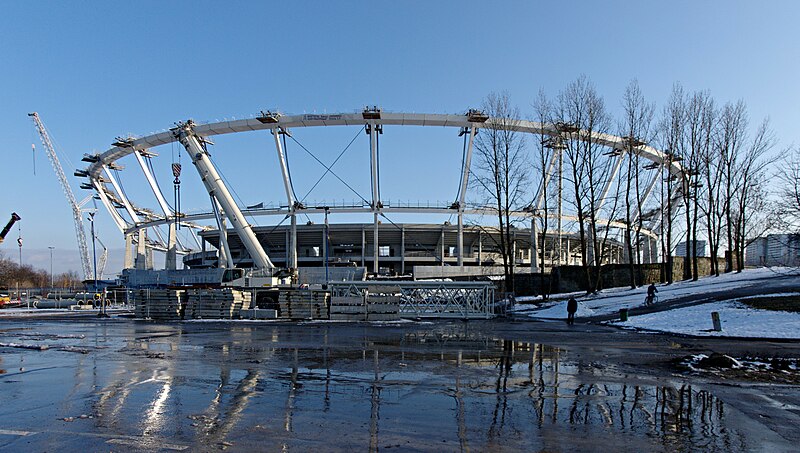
(282, 387)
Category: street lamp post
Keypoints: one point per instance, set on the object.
(102, 313)
(51, 267)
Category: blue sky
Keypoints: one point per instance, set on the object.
(97, 70)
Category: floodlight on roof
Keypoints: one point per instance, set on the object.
(269, 117)
(477, 116)
(373, 113)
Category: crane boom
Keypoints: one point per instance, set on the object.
(14, 218)
(76, 209)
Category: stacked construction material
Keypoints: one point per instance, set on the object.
(303, 304)
(222, 303)
(258, 313)
(348, 308)
(161, 304)
(383, 308)
(376, 308)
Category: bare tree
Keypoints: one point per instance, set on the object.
(503, 171)
(733, 133)
(750, 199)
(789, 192)
(581, 116)
(672, 131)
(544, 159)
(699, 127)
(636, 129)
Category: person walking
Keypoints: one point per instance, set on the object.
(572, 307)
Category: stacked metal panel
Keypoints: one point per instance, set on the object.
(348, 308)
(376, 308)
(383, 308)
(161, 304)
(223, 303)
(304, 304)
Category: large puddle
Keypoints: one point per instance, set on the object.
(316, 387)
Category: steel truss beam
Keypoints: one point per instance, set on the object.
(467, 300)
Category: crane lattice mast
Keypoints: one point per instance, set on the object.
(76, 208)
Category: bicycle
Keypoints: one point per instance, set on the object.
(651, 300)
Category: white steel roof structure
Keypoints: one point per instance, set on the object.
(194, 137)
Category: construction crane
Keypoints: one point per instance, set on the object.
(101, 262)
(73, 203)
(14, 218)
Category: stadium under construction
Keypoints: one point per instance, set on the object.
(224, 238)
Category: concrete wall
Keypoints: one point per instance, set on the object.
(567, 279)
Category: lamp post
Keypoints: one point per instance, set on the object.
(51, 267)
(102, 313)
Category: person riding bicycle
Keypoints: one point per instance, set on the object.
(651, 293)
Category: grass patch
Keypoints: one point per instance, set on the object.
(775, 303)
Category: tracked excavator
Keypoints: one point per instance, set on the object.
(14, 219)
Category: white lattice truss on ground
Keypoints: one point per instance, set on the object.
(420, 299)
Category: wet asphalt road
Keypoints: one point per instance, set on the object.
(500, 385)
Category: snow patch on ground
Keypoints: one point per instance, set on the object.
(609, 301)
(737, 320)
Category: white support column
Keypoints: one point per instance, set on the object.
(465, 170)
(148, 258)
(287, 182)
(460, 238)
(480, 247)
(141, 250)
(324, 248)
(225, 259)
(441, 247)
(535, 245)
(118, 220)
(657, 221)
(363, 247)
(463, 193)
(373, 147)
(172, 252)
(375, 264)
(292, 250)
(171, 260)
(560, 204)
(128, 251)
(121, 196)
(216, 187)
(376, 202)
(569, 254)
(403, 249)
(225, 249)
(647, 192)
(614, 171)
(162, 202)
(547, 175)
(513, 252)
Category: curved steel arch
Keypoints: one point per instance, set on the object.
(357, 119)
(277, 123)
